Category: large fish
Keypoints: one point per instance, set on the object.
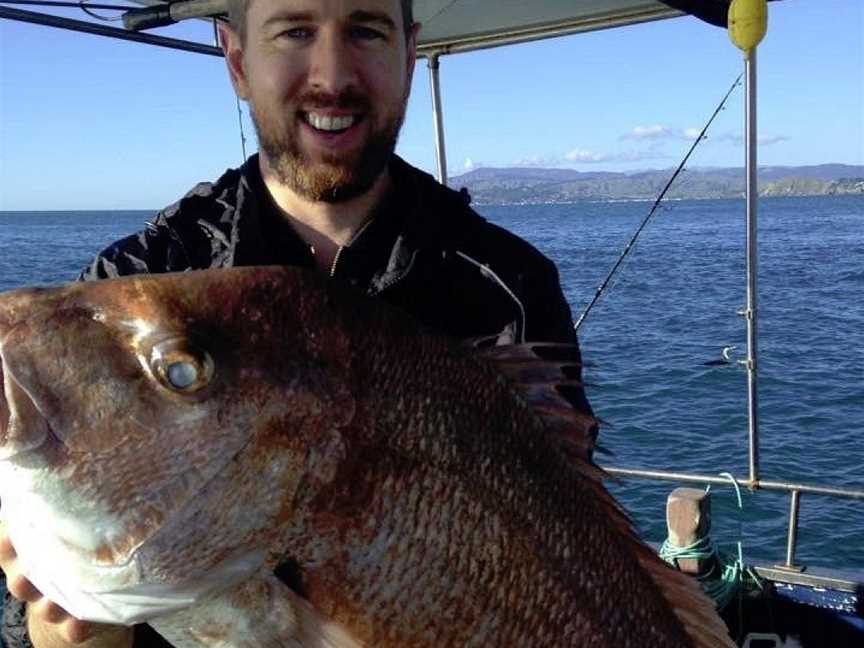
(168, 440)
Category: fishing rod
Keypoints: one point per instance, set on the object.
(599, 293)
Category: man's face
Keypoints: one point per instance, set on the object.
(328, 82)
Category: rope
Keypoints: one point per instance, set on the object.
(728, 576)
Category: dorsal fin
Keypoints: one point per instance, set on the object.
(549, 378)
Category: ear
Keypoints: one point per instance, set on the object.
(232, 47)
(413, 36)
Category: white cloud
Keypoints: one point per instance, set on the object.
(584, 156)
(657, 132)
(469, 164)
(768, 140)
(580, 155)
(649, 133)
(537, 161)
(762, 140)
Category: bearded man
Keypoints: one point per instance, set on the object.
(327, 82)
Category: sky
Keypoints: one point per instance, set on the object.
(88, 122)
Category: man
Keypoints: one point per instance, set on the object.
(328, 83)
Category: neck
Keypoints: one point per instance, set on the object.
(323, 225)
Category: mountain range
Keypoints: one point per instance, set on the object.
(489, 185)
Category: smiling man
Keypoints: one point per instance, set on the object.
(328, 91)
(327, 82)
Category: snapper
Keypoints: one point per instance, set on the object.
(167, 441)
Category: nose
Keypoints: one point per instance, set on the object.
(332, 68)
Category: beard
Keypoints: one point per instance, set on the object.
(334, 178)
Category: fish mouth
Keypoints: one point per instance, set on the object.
(23, 427)
(4, 408)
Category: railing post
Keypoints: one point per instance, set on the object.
(792, 541)
(751, 313)
(688, 521)
(438, 116)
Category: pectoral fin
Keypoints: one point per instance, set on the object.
(260, 613)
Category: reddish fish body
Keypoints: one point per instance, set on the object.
(216, 424)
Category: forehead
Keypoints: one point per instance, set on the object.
(326, 9)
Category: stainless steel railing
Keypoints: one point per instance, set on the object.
(794, 489)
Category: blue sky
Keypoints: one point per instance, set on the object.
(94, 123)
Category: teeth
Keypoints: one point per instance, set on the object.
(327, 123)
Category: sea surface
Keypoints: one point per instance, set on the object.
(672, 309)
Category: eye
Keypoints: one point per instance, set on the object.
(296, 33)
(180, 366)
(366, 33)
(182, 374)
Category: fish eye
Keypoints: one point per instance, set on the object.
(180, 366)
(182, 375)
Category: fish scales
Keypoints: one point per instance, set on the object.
(427, 495)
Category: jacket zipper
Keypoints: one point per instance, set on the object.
(335, 261)
(342, 247)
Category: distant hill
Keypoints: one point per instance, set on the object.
(533, 185)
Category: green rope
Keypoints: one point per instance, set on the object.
(724, 580)
(734, 575)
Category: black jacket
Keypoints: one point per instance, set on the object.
(426, 251)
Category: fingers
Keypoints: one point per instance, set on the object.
(16, 583)
(54, 619)
(21, 588)
(75, 631)
(39, 607)
(48, 611)
(70, 628)
(7, 551)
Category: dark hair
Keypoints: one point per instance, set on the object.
(237, 16)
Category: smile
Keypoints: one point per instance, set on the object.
(330, 123)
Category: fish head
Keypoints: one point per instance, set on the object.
(123, 400)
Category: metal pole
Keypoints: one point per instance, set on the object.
(793, 530)
(48, 20)
(438, 116)
(752, 269)
(764, 484)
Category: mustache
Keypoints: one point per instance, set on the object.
(347, 99)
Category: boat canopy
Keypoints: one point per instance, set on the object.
(463, 25)
(451, 26)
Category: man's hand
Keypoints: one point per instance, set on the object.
(49, 625)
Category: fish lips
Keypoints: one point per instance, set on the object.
(22, 426)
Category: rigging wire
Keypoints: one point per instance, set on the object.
(242, 133)
(627, 248)
(428, 20)
(217, 41)
(56, 3)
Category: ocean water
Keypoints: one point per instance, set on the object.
(672, 309)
